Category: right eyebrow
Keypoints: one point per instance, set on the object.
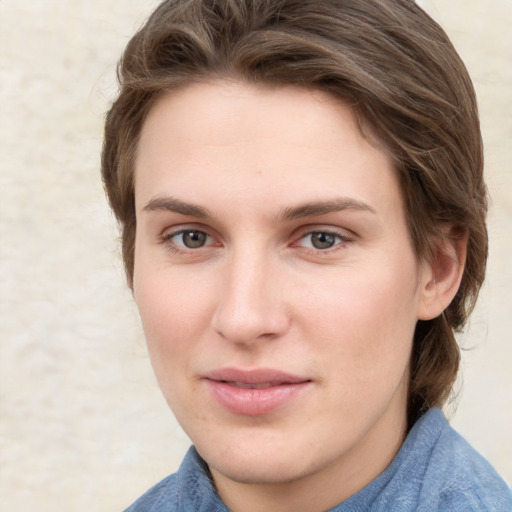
(318, 208)
(172, 204)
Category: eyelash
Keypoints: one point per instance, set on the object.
(167, 239)
(341, 239)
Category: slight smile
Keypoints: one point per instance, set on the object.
(254, 392)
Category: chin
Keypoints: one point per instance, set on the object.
(258, 470)
(262, 457)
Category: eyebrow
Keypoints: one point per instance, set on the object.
(172, 204)
(317, 208)
(309, 209)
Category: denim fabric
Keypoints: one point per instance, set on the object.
(188, 490)
(436, 470)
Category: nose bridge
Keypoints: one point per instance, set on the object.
(250, 304)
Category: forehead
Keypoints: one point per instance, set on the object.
(240, 141)
(239, 105)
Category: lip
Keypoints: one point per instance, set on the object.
(254, 392)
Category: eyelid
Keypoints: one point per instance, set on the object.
(323, 228)
(174, 230)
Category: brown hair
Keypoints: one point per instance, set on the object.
(387, 59)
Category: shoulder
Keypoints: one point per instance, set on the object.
(457, 478)
(162, 496)
(188, 490)
(435, 470)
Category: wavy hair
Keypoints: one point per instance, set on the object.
(390, 62)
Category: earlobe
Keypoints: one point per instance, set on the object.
(443, 275)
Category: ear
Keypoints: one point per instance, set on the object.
(442, 275)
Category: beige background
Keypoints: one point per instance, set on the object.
(82, 424)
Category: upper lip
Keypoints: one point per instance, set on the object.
(254, 376)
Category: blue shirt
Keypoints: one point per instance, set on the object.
(436, 470)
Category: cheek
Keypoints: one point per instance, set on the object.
(365, 322)
(174, 311)
(172, 317)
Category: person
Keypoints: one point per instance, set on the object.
(300, 191)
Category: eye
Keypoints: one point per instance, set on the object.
(321, 240)
(189, 238)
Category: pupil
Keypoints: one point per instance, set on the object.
(322, 240)
(194, 239)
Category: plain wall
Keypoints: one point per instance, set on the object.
(82, 423)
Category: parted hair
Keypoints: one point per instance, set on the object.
(390, 62)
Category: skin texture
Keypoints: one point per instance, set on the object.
(234, 165)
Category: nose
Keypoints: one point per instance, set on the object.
(251, 306)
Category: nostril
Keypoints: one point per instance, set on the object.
(249, 306)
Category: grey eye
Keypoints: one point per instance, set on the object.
(193, 239)
(321, 240)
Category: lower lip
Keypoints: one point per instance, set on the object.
(254, 402)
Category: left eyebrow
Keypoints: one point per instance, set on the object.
(318, 208)
(172, 204)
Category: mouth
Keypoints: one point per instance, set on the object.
(254, 392)
(246, 385)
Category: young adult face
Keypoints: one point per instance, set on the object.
(277, 286)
